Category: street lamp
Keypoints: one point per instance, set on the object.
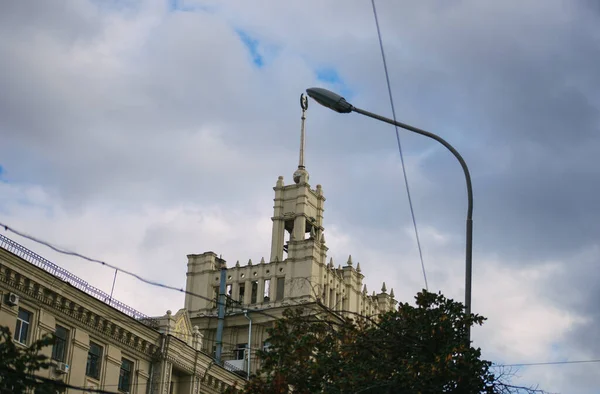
(339, 104)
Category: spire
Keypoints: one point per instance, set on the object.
(262, 260)
(383, 288)
(331, 262)
(365, 289)
(392, 293)
(249, 262)
(357, 267)
(349, 260)
(322, 238)
(301, 175)
(237, 263)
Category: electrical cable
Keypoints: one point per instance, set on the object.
(259, 311)
(37, 379)
(547, 363)
(137, 276)
(410, 204)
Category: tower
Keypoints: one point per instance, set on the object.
(298, 213)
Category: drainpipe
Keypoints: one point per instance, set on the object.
(221, 313)
(249, 339)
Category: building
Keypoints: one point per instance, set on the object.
(101, 342)
(297, 273)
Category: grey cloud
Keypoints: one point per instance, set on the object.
(513, 86)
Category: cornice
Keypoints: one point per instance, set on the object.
(78, 315)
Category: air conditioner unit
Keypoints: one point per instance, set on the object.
(61, 368)
(12, 299)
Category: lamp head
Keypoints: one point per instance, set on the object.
(330, 100)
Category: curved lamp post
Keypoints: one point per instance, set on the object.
(339, 104)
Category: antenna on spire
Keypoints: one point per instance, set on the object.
(301, 175)
(304, 106)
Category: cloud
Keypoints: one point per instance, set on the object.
(141, 132)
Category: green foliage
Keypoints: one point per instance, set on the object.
(18, 365)
(415, 349)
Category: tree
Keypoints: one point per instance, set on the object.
(18, 365)
(415, 349)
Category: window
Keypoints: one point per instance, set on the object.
(125, 375)
(242, 292)
(228, 289)
(94, 359)
(239, 351)
(280, 289)
(59, 351)
(22, 328)
(216, 296)
(267, 290)
(266, 346)
(254, 293)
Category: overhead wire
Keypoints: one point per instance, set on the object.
(548, 363)
(127, 272)
(259, 311)
(410, 204)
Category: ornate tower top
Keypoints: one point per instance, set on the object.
(301, 175)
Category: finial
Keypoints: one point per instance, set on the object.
(262, 260)
(277, 259)
(301, 175)
(392, 293)
(331, 262)
(322, 238)
(357, 267)
(169, 312)
(237, 264)
(383, 288)
(350, 260)
(279, 181)
(374, 293)
(249, 262)
(365, 289)
(339, 266)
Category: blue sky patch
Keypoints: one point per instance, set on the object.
(252, 46)
(183, 6)
(330, 76)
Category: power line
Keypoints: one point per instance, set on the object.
(138, 277)
(548, 363)
(34, 379)
(410, 204)
(259, 311)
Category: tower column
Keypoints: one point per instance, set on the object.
(278, 234)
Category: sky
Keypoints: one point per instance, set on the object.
(138, 132)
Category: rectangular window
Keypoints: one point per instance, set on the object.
(266, 346)
(94, 359)
(242, 293)
(125, 375)
(22, 328)
(267, 290)
(254, 293)
(239, 351)
(280, 289)
(59, 351)
(216, 296)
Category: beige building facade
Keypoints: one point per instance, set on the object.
(101, 342)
